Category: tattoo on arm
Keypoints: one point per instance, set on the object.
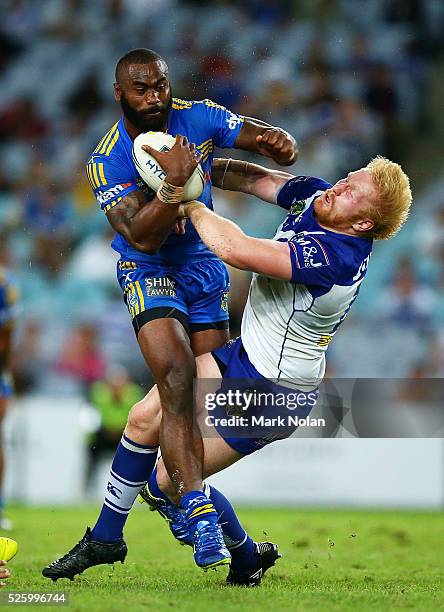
(120, 215)
(144, 224)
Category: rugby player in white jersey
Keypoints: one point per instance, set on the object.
(305, 281)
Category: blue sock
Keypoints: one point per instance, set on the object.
(197, 508)
(237, 540)
(196, 504)
(131, 467)
(154, 487)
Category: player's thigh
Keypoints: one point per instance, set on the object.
(147, 413)
(207, 340)
(166, 348)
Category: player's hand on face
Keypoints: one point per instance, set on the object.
(179, 162)
(277, 144)
(4, 573)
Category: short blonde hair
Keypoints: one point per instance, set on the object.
(391, 210)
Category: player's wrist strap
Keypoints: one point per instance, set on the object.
(170, 194)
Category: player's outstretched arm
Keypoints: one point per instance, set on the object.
(267, 140)
(146, 225)
(228, 241)
(238, 175)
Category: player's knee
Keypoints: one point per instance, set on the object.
(142, 419)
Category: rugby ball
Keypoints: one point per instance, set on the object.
(8, 549)
(153, 174)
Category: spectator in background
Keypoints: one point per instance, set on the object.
(431, 241)
(112, 398)
(408, 302)
(382, 99)
(81, 357)
(84, 101)
(47, 214)
(22, 121)
(221, 78)
(28, 364)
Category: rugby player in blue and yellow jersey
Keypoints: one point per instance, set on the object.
(175, 289)
(8, 314)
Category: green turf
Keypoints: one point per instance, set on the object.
(333, 560)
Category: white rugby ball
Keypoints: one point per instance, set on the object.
(152, 172)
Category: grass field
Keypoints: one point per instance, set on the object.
(332, 560)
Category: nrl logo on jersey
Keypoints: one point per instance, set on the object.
(297, 207)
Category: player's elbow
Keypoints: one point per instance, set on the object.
(150, 248)
(148, 245)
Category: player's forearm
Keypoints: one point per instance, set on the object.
(238, 175)
(145, 225)
(151, 226)
(233, 174)
(222, 236)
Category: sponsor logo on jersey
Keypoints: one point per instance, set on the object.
(313, 253)
(160, 287)
(111, 193)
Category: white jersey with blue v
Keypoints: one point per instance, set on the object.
(287, 326)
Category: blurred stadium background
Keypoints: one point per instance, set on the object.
(349, 84)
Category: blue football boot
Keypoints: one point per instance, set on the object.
(170, 513)
(209, 546)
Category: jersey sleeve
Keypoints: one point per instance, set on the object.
(225, 124)
(109, 181)
(300, 188)
(313, 263)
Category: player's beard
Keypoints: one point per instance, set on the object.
(332, 218)
(142, 121)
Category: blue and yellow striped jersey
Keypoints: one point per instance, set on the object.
(112, 173)
(8, 298)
